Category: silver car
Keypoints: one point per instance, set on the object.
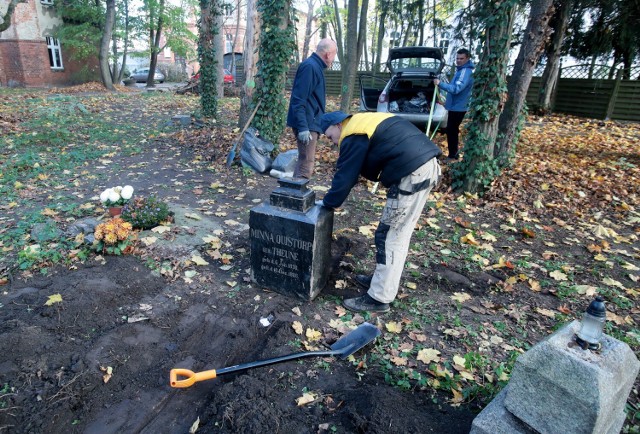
(409, 91)
(140, 76)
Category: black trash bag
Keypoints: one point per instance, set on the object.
(256, 151)
(286, 161)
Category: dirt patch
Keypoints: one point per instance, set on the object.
(142, 315)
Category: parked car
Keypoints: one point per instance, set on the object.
(228, 76)
(140, 76)
(409, 91)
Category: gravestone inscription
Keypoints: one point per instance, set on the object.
(291, 241)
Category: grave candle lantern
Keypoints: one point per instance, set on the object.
(592, 325)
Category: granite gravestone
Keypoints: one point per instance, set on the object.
(558, 387)
(291, 241)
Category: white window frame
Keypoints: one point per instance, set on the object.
(55, 53)
(47, 2)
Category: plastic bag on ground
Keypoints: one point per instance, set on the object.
(255, 151)
(286, 161)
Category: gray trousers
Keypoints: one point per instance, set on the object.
(399, 217)
(306, 156)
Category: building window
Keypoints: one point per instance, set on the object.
(228, 43)
(55, 53)
(167, 53)
(444, 45)
(46, 2)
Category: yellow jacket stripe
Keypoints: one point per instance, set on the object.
(362, 123)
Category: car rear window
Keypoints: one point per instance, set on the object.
(415, 64)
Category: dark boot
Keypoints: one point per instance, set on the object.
(363, 280)
(365, 304)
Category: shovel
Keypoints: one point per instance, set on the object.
(343, 348)
(232, 153)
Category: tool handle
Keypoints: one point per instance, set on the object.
(280, 359)
(191, 377)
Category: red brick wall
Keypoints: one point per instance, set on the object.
(26, 63)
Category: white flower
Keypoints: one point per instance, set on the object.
(117, 189)
(113, 196)
(104, 196)
(127, 192)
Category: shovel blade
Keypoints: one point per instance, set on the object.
(356, 339)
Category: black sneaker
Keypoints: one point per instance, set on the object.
(363, 280)
(365, 304)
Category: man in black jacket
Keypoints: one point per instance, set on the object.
(390, 150)
(307, 103)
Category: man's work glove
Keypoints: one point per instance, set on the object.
(304, 136)
(319, 203)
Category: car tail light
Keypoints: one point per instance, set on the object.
(384, 98)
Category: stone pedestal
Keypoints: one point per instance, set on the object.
(558, 387)
(291, 241)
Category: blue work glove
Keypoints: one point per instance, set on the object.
(320, 203)
(304, 136)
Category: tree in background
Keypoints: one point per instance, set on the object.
(512, 118)
(553, 49)
(208, 28)
(250, 62)
(277, 45)
(103, 56)
(479, 168)
(6, 18)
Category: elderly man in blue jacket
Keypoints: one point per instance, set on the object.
(307, 103)
(386, 148)
(458, 94)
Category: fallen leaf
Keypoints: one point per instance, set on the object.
(399, 361)
(340, 311)
(306, 398)
(148, 240)
(428, 355)
(197, 259)
(231, 283)
(393, 327)
(460, 297)
(341, 284)
(610, 282)
(313, 335)
(546, 312)
(587, 290)
(52, 299)
(297, 311)
(558, 275)
(297, 327)
(161, 229)
(193, 216)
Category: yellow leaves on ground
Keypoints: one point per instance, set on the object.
(53, 299)
(313, 335)
(161, 229)
(368, 230)
(460, 297)
(108, 373)
(546, 312)
(306, 398)
(558, 275)
(297, 327)
(393, 327)
(198, 260)
(428, 355)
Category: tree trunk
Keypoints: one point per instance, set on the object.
(511, 119)
(307, 29)
(489, 93)
(338, 35)
(6, 18)
(381, 32)
(550, 75)
(250, 62)
(218, 42)
(126, 41)
(103, 55)
(155, 47)
(350, 63)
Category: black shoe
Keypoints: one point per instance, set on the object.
(363, 280)
(365, 304)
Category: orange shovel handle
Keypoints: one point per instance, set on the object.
(190, 377)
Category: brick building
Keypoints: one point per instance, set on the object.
(31, 56)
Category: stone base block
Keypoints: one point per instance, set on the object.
(558, 386)
(496, 419)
